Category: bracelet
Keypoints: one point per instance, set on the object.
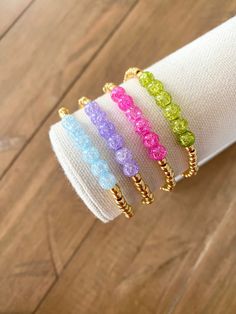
(172, 113)
(142, 126)
(99, 168)
(115, 142)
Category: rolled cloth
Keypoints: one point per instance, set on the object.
(201, 77)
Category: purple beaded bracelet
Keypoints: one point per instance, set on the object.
(115, 142)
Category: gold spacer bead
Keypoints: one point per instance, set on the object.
(192, 160)
(143, 188)
(162, 162)
(108, 87)
(63, 112)
(166, 188)
(131, 73)
(169, 175)
(83, 101)
(121, 202)
(128, 212)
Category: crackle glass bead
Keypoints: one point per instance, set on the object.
(125, 102)
(163, 99)
(69, 122)
(133, 113)
(76, 132)
(106, 129)
(123, 155)
(186, 139)
(171, 112)
(98, 118)
(155, 87)
(115, 142)
(117, 93)
(91, 108)
(130, 168)
(179, 126)
(150, 140)
(107, 180)
(158, 153)
(83, 141)
(142, 126)
(99, 167)
(90, 154)
(146, 78)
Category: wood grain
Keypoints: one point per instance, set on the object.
(55, 257)
(42, 57)
(11, 11)
(142, 268)
(28, 258)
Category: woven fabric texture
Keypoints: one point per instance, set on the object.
(201, 78)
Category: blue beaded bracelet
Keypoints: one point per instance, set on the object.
(115, 142)
(91, 156)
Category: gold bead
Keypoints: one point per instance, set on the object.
(121, 202)
(143, 188)
(131, 73)
(108, 87)
(83, 101)
(169, 176)
(63, 112)
(192, 161)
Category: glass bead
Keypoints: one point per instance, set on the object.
(91, 108)
(163, 99)
(133, 113)
(171, 112)
(99, 167)
(123, 155)
(146, 78)
(107, 181)
(130, 168)
(186, 139)
(115, 142)
(179, 126)
(155, 88)
(142, 126)
(106, 129)
(117, 93)
(98, 118)
(125, 102)
(83, 141)
(69, 122)
(90, 154)
(76, 132)
(158, 153)
(150, 140)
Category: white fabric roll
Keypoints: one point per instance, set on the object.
(201, 78)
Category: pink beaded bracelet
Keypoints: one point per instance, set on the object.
(142, 127)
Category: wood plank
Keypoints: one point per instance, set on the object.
(42, 224)
(41, 57)
(140, 268)
(10, 11)
(211, 288)
(145, 266)
(44, 209)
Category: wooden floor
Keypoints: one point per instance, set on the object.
(55, 257)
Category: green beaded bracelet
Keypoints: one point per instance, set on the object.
(171, 112)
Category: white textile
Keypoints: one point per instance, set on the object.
(201, 77)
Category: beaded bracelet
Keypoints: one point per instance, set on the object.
(172, 113)
(98, 167)
(115, 142)
(142, 127)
